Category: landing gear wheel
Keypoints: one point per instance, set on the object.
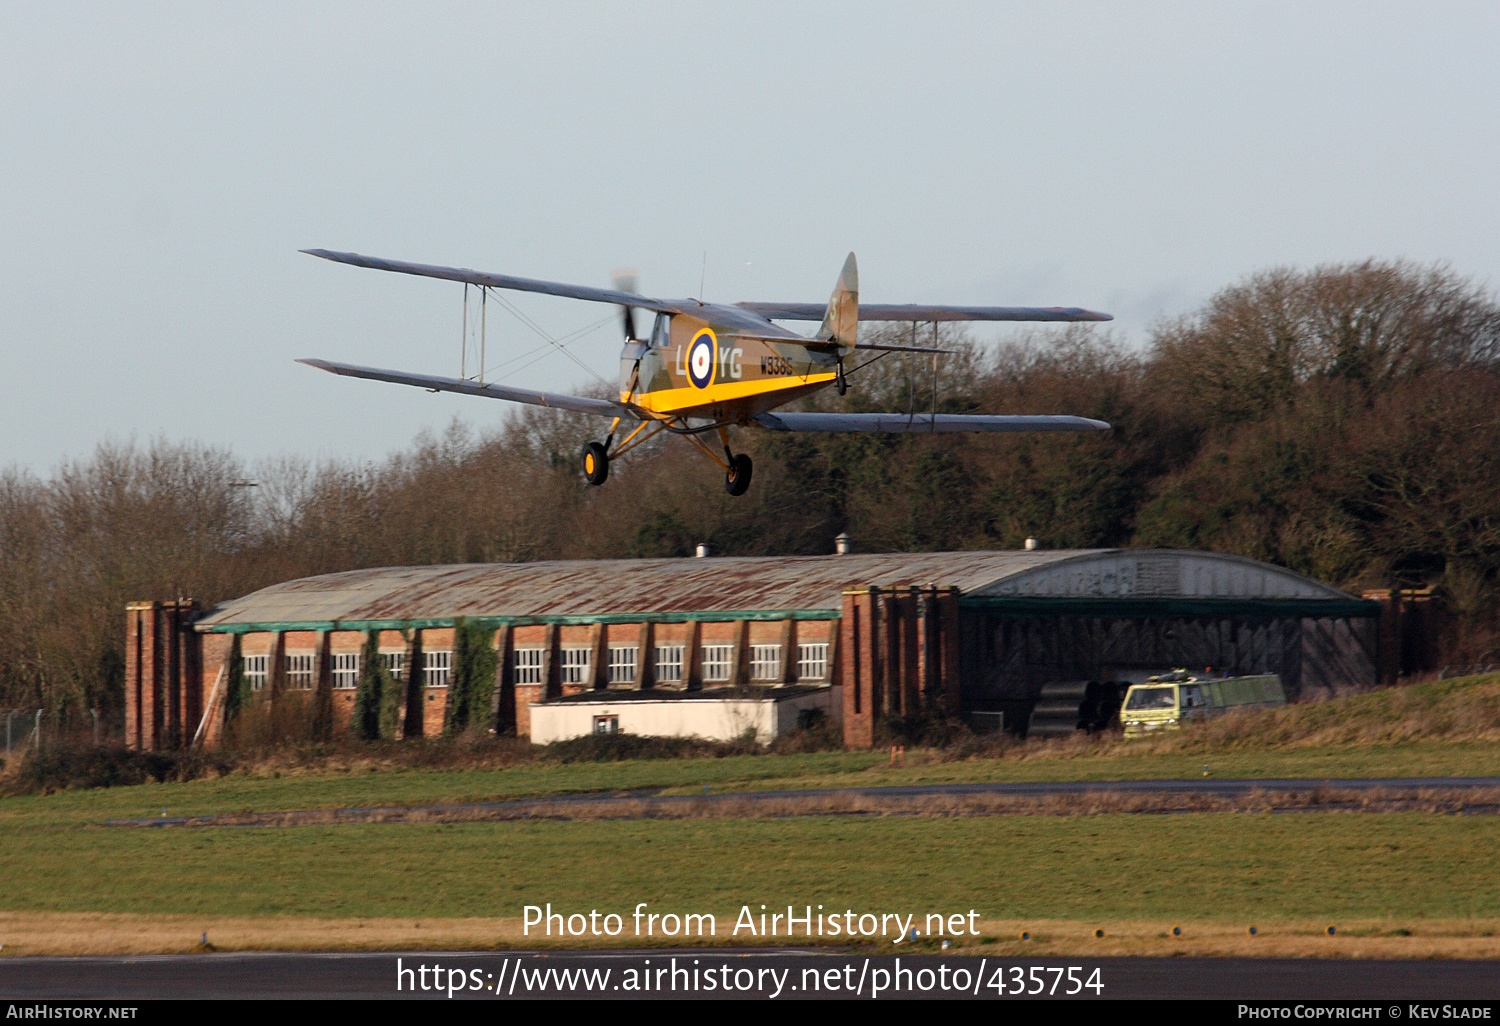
(737, 480)
(839, 381)
(595, 463)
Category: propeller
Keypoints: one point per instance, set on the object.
(627, 279)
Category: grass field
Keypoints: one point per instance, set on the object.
(1338, 865)
(1418, 884)
(1387, 872)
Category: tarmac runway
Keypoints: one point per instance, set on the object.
(1204, 786)
(803, 974)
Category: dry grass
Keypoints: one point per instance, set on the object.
(1458, 711)
(1461, 709)
(95, 933)
(1450, 801)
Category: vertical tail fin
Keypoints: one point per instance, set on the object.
(841, 323)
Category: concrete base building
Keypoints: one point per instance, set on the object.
(717, 647)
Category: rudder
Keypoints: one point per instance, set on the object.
(841, 322)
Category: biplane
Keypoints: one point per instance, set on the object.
(706, 368)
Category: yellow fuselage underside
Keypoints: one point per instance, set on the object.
(729, 400)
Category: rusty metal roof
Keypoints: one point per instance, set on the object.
(806, 585)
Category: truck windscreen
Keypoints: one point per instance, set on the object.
(1148, 699)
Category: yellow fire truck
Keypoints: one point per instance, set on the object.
(1165, 702)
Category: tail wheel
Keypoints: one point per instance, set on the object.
(595, 463)
(737, 480)
(840, 382)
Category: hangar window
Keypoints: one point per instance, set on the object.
(606, 724)
(812, 661)
(575, 665)
(254, 671)
(765, 662)
(299, 671)
(668, 662)
(436, 667)
(394, 663)
(622, 664)
(345, 669)
(528, 666)
(716, 661)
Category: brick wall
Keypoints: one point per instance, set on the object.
(204, 664)
(163, 674)
(899, 656)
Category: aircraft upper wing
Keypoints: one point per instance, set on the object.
(918, 312)
(922, 423)
(576, 403)
(501, 281)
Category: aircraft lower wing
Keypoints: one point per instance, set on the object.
(922, 423)
(575, 403)
(924, 313)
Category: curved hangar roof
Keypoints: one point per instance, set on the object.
(1168, 581)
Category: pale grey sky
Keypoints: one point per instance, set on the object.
(161, 164)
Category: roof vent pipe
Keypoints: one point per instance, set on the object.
(843, 544)
(1030, 544)
(703, 551)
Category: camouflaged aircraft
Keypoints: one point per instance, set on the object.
(707, 367)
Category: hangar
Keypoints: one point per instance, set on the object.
(714, 646)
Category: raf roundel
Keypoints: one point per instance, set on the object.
(700, 359)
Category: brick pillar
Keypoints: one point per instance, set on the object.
(926, 641)
(275, 670)
(552, 663)
(322, 711)
(738, 654)
(859, 671)
(153, 669)
(502, 698)
(831, 674)
(410, 721)
(786, 672)
(169, 694)
(218, 653)
(598, 657)
(911, 660)
(948, 683)
(139, 629)
(190, 665)
(692, 658)
(1388, 636)
(888, 610)
(645, 656)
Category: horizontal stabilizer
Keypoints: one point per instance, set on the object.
(922, 423)
(501, 281)
(575, 403)
(828, 343)
(918, 312)
(901, 349)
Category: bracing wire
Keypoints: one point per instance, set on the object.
(549, 342)
(542, 350)
(552, 341)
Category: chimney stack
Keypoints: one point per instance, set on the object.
(843, 544)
